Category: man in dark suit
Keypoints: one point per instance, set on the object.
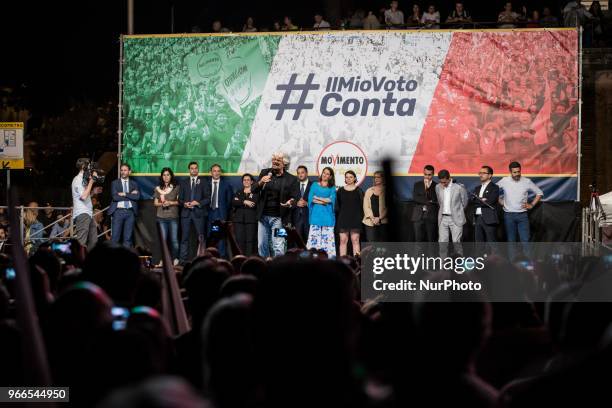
(300, 207)
(425, 213)
(277, 191)
(221, 194)
(194, 197)
(485, 218)
(124, 206)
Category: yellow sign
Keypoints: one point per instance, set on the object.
(6, 164)
(11, 125)
(11, 145)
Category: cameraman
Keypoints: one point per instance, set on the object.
(82, 212)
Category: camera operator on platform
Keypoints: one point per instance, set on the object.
(82, 213)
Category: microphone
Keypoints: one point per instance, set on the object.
(480, 199)
(265, 184)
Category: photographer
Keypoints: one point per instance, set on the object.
(82, 190)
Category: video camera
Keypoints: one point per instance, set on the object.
(90, 168)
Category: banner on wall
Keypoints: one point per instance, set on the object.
(456, 100)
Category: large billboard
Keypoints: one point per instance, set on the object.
(456, 100)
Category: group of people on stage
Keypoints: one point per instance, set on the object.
(264, 207)
(441, 206)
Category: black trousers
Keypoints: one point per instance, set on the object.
(303, 229)
(377, 233)
(484, 232)
(425, 230)
(246, 237)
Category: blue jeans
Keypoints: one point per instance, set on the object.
(265, 234)
(169, 229)
(516, 221)
(123, 224)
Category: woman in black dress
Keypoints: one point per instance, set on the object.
(245, 217)
(349, 205)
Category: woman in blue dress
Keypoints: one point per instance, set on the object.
(321, 203)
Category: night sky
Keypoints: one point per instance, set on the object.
(61, 50)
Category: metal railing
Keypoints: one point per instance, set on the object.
(40, 236)
(594, 219)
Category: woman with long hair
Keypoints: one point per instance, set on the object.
(375, 210)
(321, 203)
(349, 207)
(244, 217)
(166, 201)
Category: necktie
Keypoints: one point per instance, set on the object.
(192, 189)
(302, 190)
(214, 196)
(126, 191)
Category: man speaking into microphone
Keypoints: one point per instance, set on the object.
(277, 191)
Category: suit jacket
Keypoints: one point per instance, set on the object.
(289, 188)
(201, 194)
(459, 200)
(224, 195)
(116, 188)
(299, 215)
(419, 196)
(491, 193)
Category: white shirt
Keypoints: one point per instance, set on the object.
(125, 187)
(394, 17)
(516, 193)
(80, 206)
(446, 206)
(427, 18)
(305, 184)
(483, 187)
(212, 189)
(322, 24)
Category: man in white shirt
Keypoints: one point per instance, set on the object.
(453, 199)
(300, 208)
(393, 16)
(320, 24)
(82, 213)
(515, 199)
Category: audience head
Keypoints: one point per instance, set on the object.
(116, 269)
(254, 266)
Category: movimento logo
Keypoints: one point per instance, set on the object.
(342, 156)
(349, 96)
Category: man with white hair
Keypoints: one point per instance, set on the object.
(277, 191)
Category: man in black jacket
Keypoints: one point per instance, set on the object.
(485, 199)
(425, 213)
(277, 191)
(300, 208)
(194, 197)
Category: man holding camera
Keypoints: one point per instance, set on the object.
(124, 207)
(82, 190)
